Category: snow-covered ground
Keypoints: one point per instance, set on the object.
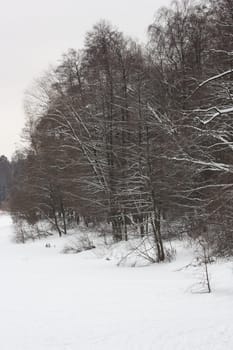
(54, 301)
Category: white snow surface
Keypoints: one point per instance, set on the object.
(54, 301)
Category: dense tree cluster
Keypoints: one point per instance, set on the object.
(126, 135)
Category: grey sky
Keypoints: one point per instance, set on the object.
(34, 34)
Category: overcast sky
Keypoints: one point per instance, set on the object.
(34, 34)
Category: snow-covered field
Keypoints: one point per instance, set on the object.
(54, 301)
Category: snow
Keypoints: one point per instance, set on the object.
(54, 301)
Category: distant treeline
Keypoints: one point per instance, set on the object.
(5, 178)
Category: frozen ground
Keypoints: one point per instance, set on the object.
(53, 301)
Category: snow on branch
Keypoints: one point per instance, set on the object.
(207, 81)
(213, 166)
(217, 113)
